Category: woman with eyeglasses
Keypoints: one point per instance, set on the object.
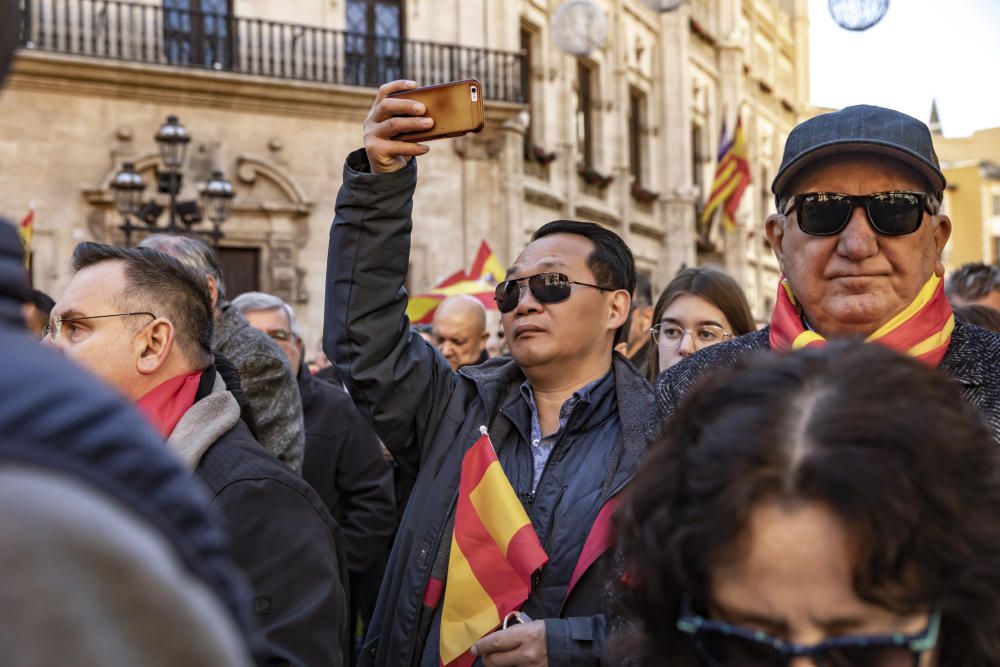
(835, 507)
(700, 307)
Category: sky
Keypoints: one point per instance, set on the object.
(922, 49)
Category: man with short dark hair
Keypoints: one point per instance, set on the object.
(565, 416)
(858, 234)
(974, 284)
(265, 376)
(142, 321)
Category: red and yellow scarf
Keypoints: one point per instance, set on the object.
(922, 330)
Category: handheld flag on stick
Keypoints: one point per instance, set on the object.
(479, 282)
(732, 175)
(494, 552)
(24, 231)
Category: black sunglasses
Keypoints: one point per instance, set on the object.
(725, 645)
(548, 287)
(890, 213)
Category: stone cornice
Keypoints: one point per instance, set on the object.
(171, 86)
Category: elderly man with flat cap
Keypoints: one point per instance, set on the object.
(858, 234)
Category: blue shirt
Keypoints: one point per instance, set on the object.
(541, 446)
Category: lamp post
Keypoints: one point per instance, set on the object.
(216, 197)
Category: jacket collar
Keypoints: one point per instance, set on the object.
(214, 413)
(500, 378)
(307, 386)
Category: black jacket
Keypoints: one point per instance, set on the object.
(429, 416)
(281, 535)
(55, 416)
(344, 463)
(972, 360)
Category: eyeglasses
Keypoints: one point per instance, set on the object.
(890, 213)
(54, 329)
(668, 335)
(725, 645)
(546, 287)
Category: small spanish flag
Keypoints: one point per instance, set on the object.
(24, 231)
(494, 552)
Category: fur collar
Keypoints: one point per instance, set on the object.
(201, 426)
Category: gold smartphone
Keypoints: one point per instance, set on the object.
(456, 107)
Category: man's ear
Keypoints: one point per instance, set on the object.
(647, 317)
(774, 229)
(155, 342)
(213, 290)
(621, 306)
(942, 232)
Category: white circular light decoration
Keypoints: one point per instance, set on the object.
(663, 5)
(579, 27)
(858, 15)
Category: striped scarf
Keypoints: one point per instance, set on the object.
(922, 330)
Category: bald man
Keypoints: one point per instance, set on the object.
(459, 331)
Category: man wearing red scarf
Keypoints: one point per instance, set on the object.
(858, 234)
(142, 322)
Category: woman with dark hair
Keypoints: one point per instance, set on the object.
(700, 307)
(810, 511)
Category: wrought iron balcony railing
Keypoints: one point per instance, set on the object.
(147, 33)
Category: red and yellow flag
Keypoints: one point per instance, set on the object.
(479, 281)
(24, 231)
(922, 330)
(732, 176)
(494, 552)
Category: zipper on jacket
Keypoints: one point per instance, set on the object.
(537, 576)
(430, 573)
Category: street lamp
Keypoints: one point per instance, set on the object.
(172, 139)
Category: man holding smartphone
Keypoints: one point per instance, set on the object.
(565, 416)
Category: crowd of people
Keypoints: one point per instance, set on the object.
(182, 486)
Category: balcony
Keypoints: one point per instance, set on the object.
(152, 34)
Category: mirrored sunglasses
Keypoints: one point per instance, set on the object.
(725, 645)
(547, 287)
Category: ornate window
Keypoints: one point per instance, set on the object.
(197, 32)
(373, 44)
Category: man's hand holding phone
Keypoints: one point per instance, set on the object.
(390, 117)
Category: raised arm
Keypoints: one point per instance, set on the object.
(392, 373)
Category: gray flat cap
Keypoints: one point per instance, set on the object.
(860, 129)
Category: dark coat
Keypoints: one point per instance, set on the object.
(972, 360)
(344, 463)
(55, 416)
(280, 533)
(429, 416)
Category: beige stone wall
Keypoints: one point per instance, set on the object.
(68, 122)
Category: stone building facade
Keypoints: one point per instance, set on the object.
(274, 94)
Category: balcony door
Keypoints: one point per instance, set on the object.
(197, 32)
(373, 45)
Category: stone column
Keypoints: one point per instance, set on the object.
(671, 111)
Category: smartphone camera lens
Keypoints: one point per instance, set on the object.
(474, 91)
